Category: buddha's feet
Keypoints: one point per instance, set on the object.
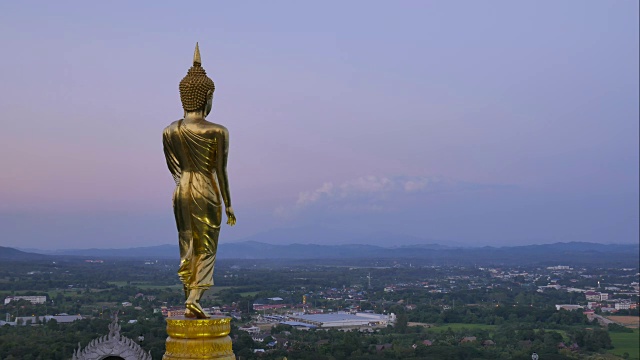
(189, 314)
(195, 310)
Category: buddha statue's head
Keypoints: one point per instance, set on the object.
(196, 89)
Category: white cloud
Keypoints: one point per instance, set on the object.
(374, 194)
(366, 184)
(367, 192)
(417, 185)
(309, 197)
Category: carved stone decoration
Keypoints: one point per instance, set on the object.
(112, 346)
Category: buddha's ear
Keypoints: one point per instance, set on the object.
(209, 104)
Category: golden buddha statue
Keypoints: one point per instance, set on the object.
(196, 153)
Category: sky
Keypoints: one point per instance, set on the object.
(454, 122)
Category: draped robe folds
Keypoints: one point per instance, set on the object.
(191, 155)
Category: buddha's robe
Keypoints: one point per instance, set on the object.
(194, 152)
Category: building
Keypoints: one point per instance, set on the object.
(622, 306)
(568, 307)
(596, 296)
(176, 312)
(341, 319)
(299, 325)
(32, 299)
(550, 286)
(572, 289)
(592, 296)
(250, 329)
(262, 307)
(61, 319)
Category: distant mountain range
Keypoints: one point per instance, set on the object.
(7, 253)
(329, 236)
(250, 250)
(573, 252)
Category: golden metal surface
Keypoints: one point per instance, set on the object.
(198, 339)
(196, 154)
(196, 85)
(196, 55)
(217, 348)
(183, 328)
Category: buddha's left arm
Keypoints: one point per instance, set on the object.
(221, 167)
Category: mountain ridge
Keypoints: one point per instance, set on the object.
(8, 253)
(555, 252)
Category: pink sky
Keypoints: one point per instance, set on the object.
(537, 102)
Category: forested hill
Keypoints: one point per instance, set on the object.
(7, 253)
(574, 253)
(558, 253)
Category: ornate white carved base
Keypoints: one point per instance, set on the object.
(113, 344)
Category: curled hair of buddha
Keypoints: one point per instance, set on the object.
(196, 85)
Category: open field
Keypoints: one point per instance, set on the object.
(420, 324)
(152, 286)
(265, 327)
(51, 292)
(628, 321)
(626, 343)
(490, 328)
(458, 326)
(106, 304)
(145, 285)
(212, 293)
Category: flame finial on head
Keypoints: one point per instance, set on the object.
(196, 56)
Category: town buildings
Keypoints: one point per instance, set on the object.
(32, 299)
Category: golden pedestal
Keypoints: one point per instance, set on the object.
(198, 338)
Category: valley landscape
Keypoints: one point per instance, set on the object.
(487, 303)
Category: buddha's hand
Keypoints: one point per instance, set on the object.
(231, 217)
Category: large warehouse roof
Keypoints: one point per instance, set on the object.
(341, 319)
